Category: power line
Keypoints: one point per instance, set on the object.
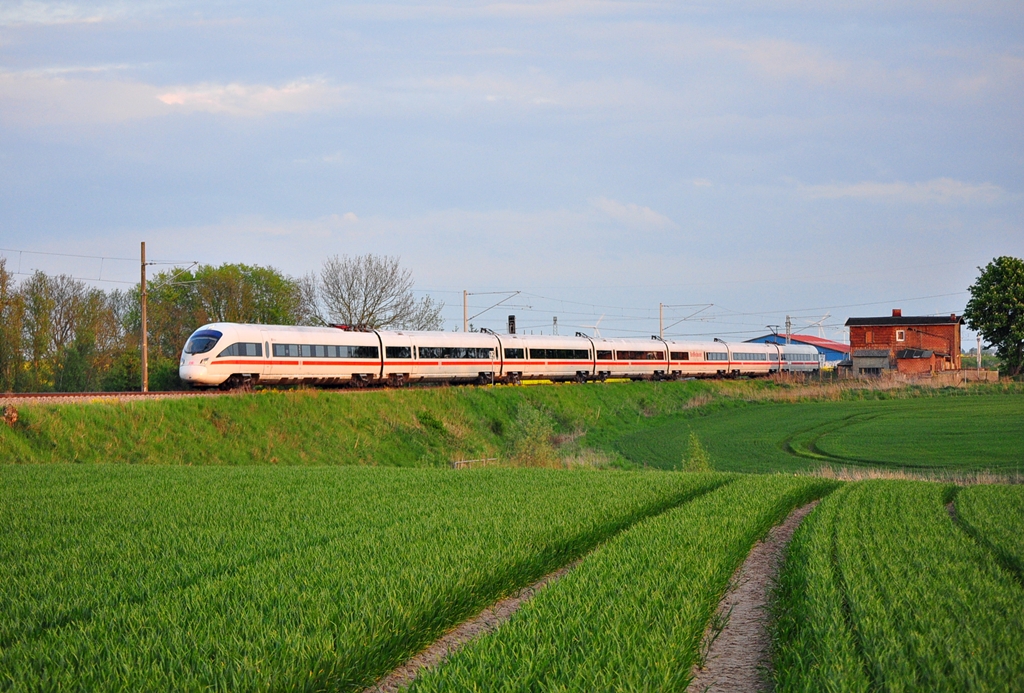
(88, 257)
(80, 279)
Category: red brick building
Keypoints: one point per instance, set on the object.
(914, 345)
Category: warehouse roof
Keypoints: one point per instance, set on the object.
(819, 342)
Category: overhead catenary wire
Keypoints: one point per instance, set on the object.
(81, 256)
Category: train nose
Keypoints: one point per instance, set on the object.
(191, 373)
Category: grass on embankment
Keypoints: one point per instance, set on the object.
(747, 426)
(410, 427)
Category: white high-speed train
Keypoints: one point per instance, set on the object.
(230, 355)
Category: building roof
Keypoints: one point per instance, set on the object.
(906, 320)
(819, 342)
(913, 354)
(871, 353)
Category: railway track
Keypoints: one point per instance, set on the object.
(79, 397)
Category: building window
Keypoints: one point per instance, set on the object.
(867, 337)
(901, 335)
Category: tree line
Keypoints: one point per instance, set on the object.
(58, 334)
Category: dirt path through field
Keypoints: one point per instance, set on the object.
(738, 657)
(481, 624)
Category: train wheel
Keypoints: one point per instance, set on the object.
(581, 378)
(515, 379)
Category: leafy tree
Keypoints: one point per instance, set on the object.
(996, 310)
(367, 290)
(179, 302)
(37, 331)
(11, 315)
(66, 333)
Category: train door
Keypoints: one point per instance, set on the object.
(270, 369)
(268, 354)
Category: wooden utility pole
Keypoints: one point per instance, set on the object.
(465, 311)
(661, 320)
(145, 339)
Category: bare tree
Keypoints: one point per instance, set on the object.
(369, 290)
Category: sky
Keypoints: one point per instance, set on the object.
(738, 161)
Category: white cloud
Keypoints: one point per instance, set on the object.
(938, 190)
(33, 98)
(632, 215)
(786, 60)
(58, 95)
(13, 12)
(254, 99)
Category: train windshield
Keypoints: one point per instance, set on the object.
(202, 341)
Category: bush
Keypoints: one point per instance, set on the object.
(529, 438)
(697, 458)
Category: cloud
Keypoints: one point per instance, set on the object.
(13, 13)
(787, 60)
(632, 215)
(35, 98)
(60, 95)
(479, 239)
(254, 99)
(938, 190)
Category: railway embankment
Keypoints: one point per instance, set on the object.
(598, 425)
(533, 426)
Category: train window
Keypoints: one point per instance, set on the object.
(717, 356)
(640, 355)
(202, 341)
(398, 352)
(243, 349)
(359, 352)
(680, 355)
(515, 353)
(286, 350)
(740, 356)
(320, 351)
(572, 354)
(455, 353)
(773, 357)
(306, 349)
(604, 355)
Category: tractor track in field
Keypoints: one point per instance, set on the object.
(488, 620)
(738, 654)
(485, 622)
